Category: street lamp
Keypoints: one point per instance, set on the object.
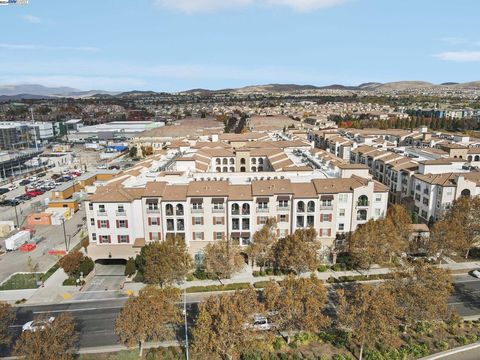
(185, 316)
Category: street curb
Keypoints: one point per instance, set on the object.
(452, 351)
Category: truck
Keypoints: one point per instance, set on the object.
(17, 240)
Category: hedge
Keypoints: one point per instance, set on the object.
(209, 288)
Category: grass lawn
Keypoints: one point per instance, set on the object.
(21, 281)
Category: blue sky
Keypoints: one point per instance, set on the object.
(181, 44)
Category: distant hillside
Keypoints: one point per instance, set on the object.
(276, 88)
(34, 89)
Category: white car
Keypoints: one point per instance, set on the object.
(11, 187)
(36, 325)
(260, 323)
(476, 273)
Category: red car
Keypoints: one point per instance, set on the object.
(34, 193)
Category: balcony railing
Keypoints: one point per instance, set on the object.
(283, 208)
(197, 210)
(262, 210)
(102, 213)
(363, 203)
(153, 211)
(218, 210)
(120, 213)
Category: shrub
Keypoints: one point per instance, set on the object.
(441, 345)
(190, 277)
(138, 277)
(322, 268)
(336, 267)
(462, 340)
(260, 284)
(278, 343)
(473, 338)
(209, 288)
(72, 282)
(269, 271)
(256, 273)
(130, 268)
(86, 266)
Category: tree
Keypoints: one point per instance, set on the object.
(222, 259)
(148, 316)
(130, 268)
(54, 342)
(442, 239)
(298, 303)
(221, 328)
(133, 152)
(296, 252)
(7, 317)
(259, 250)
(369, 314)
(365, 245)
(70, 263)
(421, 292)
(401, 221)
(165, 262)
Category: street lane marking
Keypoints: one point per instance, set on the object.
(76, 310)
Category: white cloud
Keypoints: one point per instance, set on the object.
(32, 19)
(46, 47)
(192, 6)
(459, 56)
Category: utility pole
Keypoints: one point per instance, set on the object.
(64, 234)
(186, 324)
(16, 216)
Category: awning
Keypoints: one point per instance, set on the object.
(235, 234)
(244, 234)
(326, 197)
(283, 198)
(262, 200)
(152, 201)
(218, 200)
(196, 201)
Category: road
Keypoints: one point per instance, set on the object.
(96, 318)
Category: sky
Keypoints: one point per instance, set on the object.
(173, 45)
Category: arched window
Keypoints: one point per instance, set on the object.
(243, 169)
(254, 168)
(311, 206)
(243, 161)
(253, 161)
(179, 209)
(362, 201)
(477, 158)
(470, 158)
(260, 168)
(300, 207)
(260, 161)
(169, 209)
(232, 169)
(218, 161)
(232, 161)
(245, 209)
(465, 193)
(225, 161)
(235, 209)
(225, 169)
(219, 169)
(361, 215)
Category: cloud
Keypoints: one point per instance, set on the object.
(32, 19)
(459, 56)
(193, 6)
(47, 47)
(453, 40)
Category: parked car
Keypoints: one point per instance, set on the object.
(12, 187)
(34, 193)
(24, 182)
(475, 273)
(23, 197)
(41, 174)
(32, 178)
(36, 325)
(3, 191)
(259, 323)
(56, 176)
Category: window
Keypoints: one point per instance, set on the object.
(154, 206)
(378, 198)
(262, 220)
(197, 220)
(242, 161)
(180, 225)
(245, 224)
(283, 203)
(362, 201)
(378, 212)
(120, 209)
(235, 224)
(232, 161)
(168, 209)
(425, 201)
(300, 207)
(424, 214)
(218, 236)
(260, 161)
(170, 225)
(325, 217)
(362, 215)
(179, 209)
(225, 161)
(101, 208)
(154, 221)
(123, 239)
(417, 197)
(245, 209)
(341, 227)
(218, 206)
(155, 236)
(103, 224)
(283, 218)
(326, 203)
(104, 239)
(90, 206)
(300, 221)
(263, 205)
(311, 206)
(235, 209)
(218, 161)
(198, 236)
(92, 221)
(196, 206)
(341, 212)
(94, 237)
(310, 221)
(218, 220)
(122, 223)
(343, 198)
(282, 233)
(245, 241)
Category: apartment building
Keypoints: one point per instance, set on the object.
(121, 219)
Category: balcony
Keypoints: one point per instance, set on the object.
(121, 213)
(283, 208)
(218, 210)
(197, 210)
(363, 203)
(262, 210)
(153, 211)
(102, 213)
